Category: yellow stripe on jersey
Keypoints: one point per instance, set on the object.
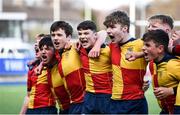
(102, 64)
(32, 97)
(178, 96)
(168, 73)
(135, 46)
(55, 77)
(58, 88)
(127, 75)
(117, 86)
(42, 78)
(70, 60)
(90, 85)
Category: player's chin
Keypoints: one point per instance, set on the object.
(85, 46)
(146, 58)
(57, 47)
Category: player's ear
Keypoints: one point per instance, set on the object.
(69, 37)
(167, 30)
(95, 35)
(161, 48)
(125, 28)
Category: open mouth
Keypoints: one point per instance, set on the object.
(84, 42)
(44, 58)
(146, 56)
(36, 50)
(111, 37)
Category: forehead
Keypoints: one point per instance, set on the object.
(59, 31)
(155, 21)
(158, 24)
(86, 30)
(149, 42)
(46, 46)
(115, 25)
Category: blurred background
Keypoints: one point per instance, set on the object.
(22, 20)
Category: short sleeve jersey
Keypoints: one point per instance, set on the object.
(98, 71)
(70, 69)
(127, 76)
(57, 87)
(166, 74)
(40, 93)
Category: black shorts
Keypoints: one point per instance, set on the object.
(42, 110)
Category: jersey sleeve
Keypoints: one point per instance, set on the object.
(173, 68)
(29, 84)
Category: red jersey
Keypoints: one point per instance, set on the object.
(40, 93)
(165, 74)
(98, 71)
(57, 87)
(127, 76)
(70, 70)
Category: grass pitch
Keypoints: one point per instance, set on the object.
(12, 96)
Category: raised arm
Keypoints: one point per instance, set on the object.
(101, 37)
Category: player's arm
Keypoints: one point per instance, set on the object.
(163, 92)
(173, 68)
(174, 48)
(25, 105)
(39, 68)
(101, 37)
(132, 56)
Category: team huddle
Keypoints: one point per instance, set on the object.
(94, 77)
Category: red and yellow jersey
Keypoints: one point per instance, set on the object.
(127, 75)
(98, 71)
(39, 91)
(178, 96)
(166, 74)
(70, 70)
(57, 87)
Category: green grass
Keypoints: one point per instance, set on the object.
(11, 99)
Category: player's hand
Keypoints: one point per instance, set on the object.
(145, 85)
(130, 56)
(94, 52)
(38, 69)
(163, 92)
(176, 37)
(77, 45)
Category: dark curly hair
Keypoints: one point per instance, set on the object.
(159, 37)
(117, 17)
(63, 25)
